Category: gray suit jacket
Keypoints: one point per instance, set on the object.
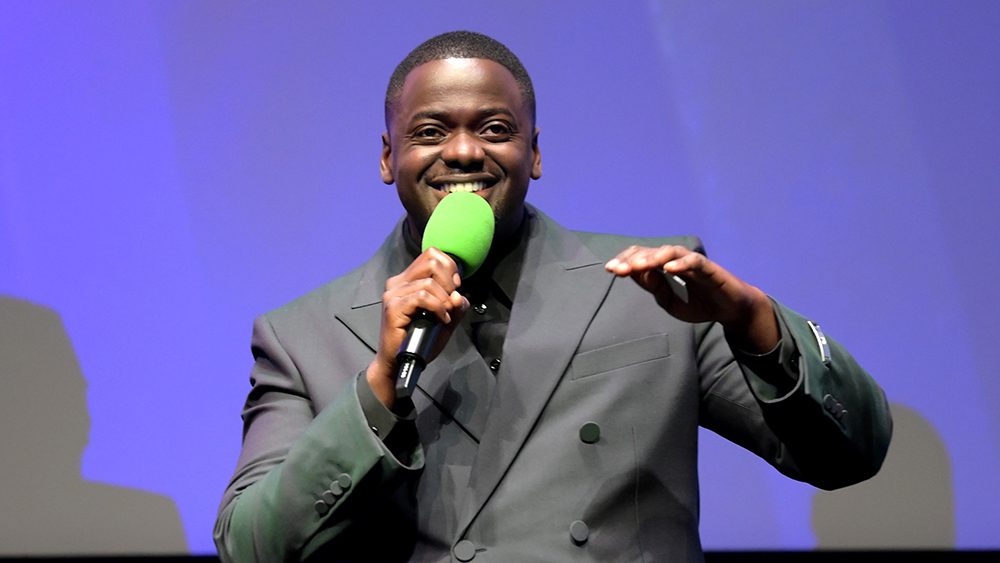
(582, 448)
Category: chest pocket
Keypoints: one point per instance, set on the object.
(617, 356)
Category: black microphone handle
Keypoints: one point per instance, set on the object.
(413, 353)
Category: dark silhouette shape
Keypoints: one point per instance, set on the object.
(910, 504)
(47, 507)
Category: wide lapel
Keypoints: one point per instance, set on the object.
(458, 381)
(364, 316)
(561, 287)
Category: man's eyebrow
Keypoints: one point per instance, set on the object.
(443, 116)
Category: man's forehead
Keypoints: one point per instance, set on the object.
(458, 69)
(436, 80)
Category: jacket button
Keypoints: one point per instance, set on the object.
(829, 402)
(579, 532)
(336, 489)
(464, 550)
(480, 309)
(590, 433)
(329, 497)
(495, 365)
(344, 480)
(321, 507)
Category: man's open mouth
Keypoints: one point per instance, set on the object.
(468, 187)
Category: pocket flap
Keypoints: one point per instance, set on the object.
(619, 355)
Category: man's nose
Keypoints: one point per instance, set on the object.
(463, 150)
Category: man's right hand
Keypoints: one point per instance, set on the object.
(430, 283)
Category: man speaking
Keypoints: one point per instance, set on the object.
(535, 398)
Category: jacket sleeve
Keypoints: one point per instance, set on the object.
(831, 427)
(304, 478)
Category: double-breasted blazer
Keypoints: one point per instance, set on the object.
(582, 447)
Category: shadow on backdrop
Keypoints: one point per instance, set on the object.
(48, 508)
(910, 504)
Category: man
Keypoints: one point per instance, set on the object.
(559, 419)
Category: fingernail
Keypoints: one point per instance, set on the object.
(670, 265)
(611, 264)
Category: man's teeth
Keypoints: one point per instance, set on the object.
(463, 187)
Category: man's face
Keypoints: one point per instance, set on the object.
(461, 125)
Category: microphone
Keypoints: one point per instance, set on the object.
(461, 226)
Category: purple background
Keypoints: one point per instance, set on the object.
(168, 171)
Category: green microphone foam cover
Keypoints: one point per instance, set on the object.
(462, 226)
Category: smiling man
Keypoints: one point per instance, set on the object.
(461, 124)
(558, 421)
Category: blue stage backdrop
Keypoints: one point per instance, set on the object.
(170, 170)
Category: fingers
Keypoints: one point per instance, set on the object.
(673, 259)
(433, 264)
(429, 283)
(691, 264)
(402, 303)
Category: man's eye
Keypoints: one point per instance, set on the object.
(428, 133)
(497, 131)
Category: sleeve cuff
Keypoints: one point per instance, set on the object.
(775, 373)
(383, 421)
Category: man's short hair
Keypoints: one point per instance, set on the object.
(460, 45)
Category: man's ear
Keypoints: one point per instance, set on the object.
(536, 160)
(385, 163)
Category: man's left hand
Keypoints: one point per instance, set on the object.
(714, 294)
